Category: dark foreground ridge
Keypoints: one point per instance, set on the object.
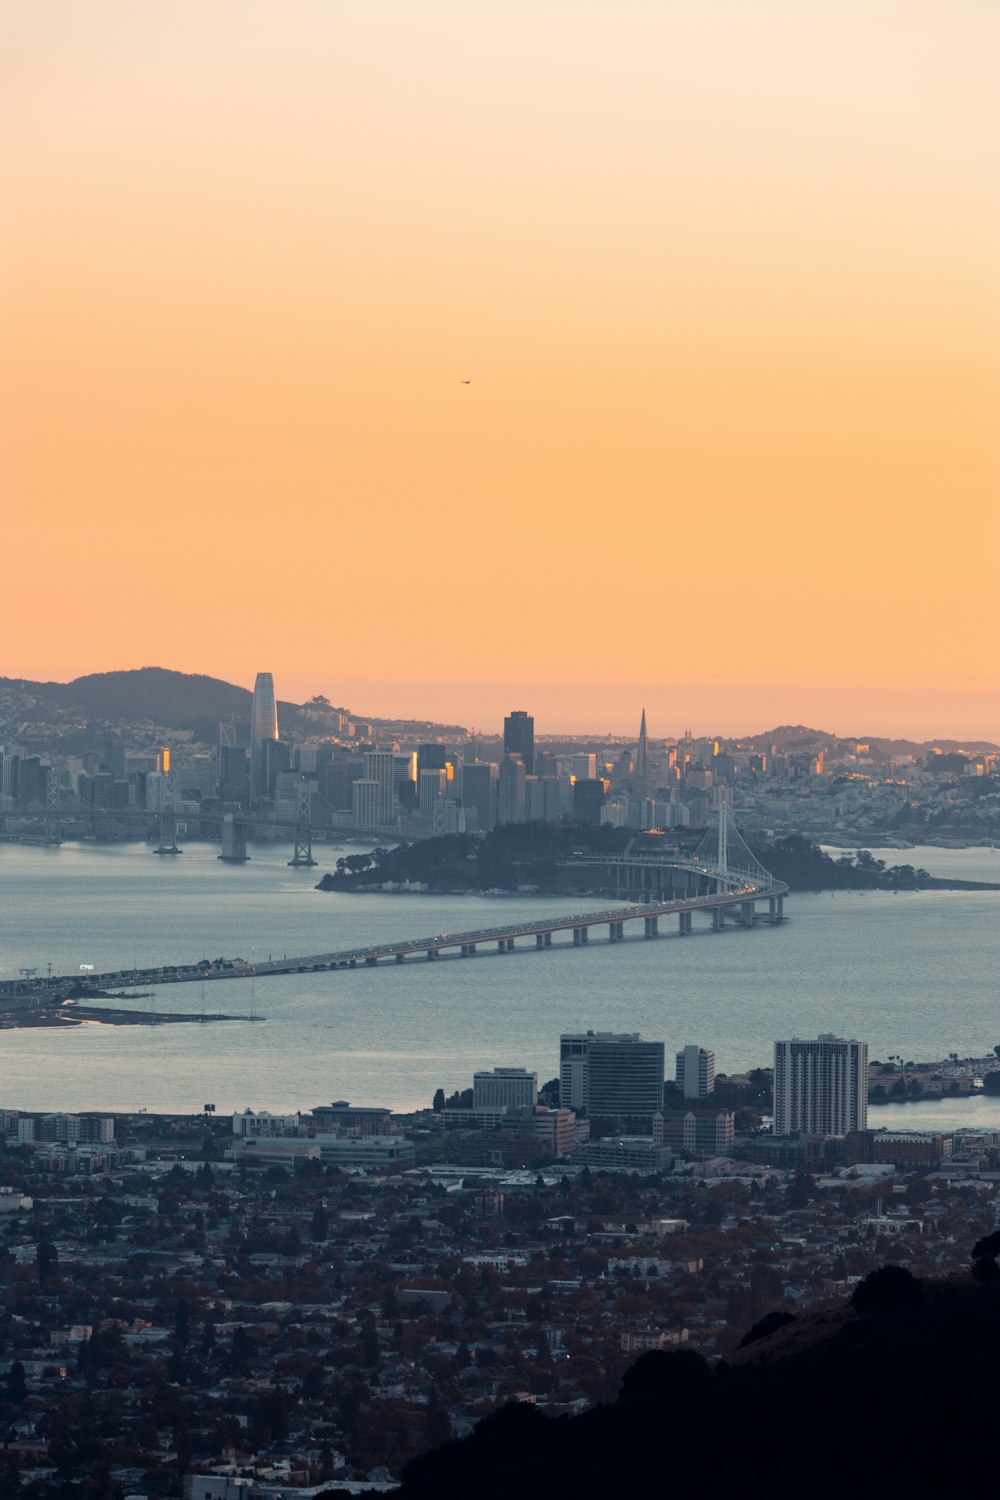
(892, 1395)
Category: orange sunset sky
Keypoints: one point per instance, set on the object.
(722, 275)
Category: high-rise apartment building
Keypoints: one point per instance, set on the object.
(263, 727)
(611, 1074)
(519, 737)
(821, 1086)
(695, 1072)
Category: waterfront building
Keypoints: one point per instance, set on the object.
(821, 1086)
(695, 1072)
(263, 727)
(504, 1088)
(519, 737)
(256, 1123)
(352, 1119)
(606, 1074)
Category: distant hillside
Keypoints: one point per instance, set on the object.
(166, 697)
(173, 700)
(798, 738)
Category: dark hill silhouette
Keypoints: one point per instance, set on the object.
(174, 700)
(894, 1396)
(166, 697)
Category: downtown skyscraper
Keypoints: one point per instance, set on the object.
(263, 727)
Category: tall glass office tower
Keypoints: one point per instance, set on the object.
(263, 726)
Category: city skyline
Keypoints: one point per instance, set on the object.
(721, 282)
(737, 712)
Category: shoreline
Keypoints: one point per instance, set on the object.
(933, 883)
(77, 1015)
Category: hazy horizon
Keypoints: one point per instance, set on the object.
(732, 710)
(516, 352)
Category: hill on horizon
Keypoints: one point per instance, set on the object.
(197, 702)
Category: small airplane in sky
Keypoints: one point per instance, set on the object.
(465, 382)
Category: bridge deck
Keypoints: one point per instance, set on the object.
(433, 944)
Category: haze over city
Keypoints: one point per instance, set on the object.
(449, 356)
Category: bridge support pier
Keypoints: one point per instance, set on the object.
(432, 954)
(652, 927)
(510, 945)
(399, 958)
(371, 962)
(718, 918)
(548, 939)
(684, 922)
(776, 908)
(539, 940)
(616, 932)
(747, 913)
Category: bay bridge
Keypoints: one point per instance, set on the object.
(166, 822)
(722, 881)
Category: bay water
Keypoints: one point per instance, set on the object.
(912, 973)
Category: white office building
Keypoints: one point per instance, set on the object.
(504, 1088)
(821, 1086)
(696, 1072)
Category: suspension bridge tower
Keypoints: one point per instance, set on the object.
(168, 818)
(302, 858)
(53, 828)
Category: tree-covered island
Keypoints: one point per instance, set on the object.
(546, 857)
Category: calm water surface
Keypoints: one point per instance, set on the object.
(914, 973)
